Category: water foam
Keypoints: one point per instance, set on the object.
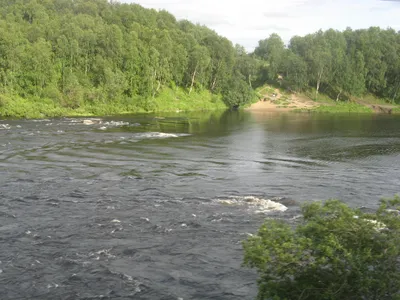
(116, 123)
(260, 205)
(159, 135)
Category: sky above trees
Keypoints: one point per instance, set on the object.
(247, 22)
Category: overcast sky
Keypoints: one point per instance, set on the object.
(247, 21)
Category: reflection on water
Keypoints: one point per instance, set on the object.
(351, 157)
(155, 206)
(307, 156)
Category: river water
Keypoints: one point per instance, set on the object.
(156, 206)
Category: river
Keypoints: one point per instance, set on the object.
(156, 206)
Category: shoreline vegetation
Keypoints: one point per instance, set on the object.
(179, 100)
(167, 101)
(272, 98)
(99, 57)
(332, 252)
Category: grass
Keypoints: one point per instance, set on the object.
(326, 104)
(343, 107)
(265, 89)
(284, 101)
(329, 105)
(371, 99)
(168, 100)
(322, 98)
(179, 100)
(396, 110)
(261, 91)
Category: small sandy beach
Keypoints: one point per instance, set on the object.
(279, 102)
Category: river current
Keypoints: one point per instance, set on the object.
(156, 206)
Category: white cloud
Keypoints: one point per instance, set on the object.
(247, 22)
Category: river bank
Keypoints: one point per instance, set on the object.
(168, 100)
(273, 99)
(179, 100)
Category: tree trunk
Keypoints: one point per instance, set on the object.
(193, 78)
(319, 82)
(152, 83)
(71, 61)
(250, 81)
(62, 77)
(86, 63)
(213, 84)
(316, 91)
(215, 78)
(395, 93)
(337, 97)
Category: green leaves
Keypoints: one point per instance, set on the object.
(341, 64)
(95, 51)
(336, 253)
(76, 51)
(295, 69)
(271, 50)
(237, 92)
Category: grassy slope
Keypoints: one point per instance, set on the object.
(328, 105)
(343, 107)
(168, 100)
(358, 105)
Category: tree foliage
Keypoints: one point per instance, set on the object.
(75, 51)
(238, 93)
(341, 64)
(336, 253)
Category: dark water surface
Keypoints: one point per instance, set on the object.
(133, 207)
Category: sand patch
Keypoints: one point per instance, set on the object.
(281, 102)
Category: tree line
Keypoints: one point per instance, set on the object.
(95, 51)
(72, 51)
(342, 64)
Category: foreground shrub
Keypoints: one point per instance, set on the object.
(335, 253)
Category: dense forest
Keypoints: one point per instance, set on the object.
(342, 64)
(72, 53)
(76, 51)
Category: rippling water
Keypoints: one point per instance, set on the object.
(156, 207)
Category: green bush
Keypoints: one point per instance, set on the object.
(4, 100)
(237, 93)
(169, 100)
(52, 92)
(335, 253)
